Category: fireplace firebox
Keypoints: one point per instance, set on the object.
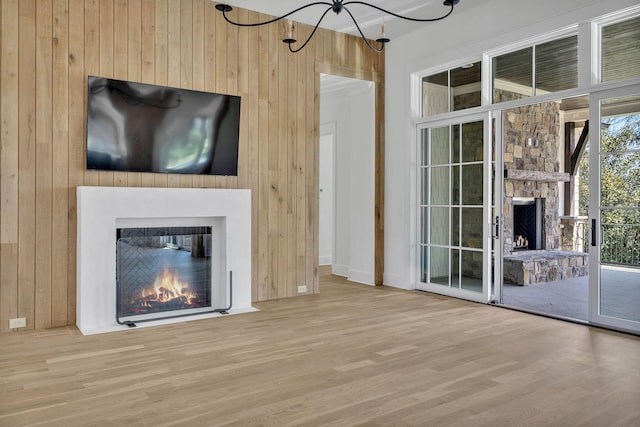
(162, 271)
(528, 223)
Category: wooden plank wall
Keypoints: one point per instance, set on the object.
(47, 50)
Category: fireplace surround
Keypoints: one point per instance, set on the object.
(104, 210)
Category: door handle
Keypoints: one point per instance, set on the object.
(593, 232)
(497, 228)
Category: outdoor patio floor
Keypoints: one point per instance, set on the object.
(620, 296)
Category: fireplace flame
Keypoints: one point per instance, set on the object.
(166, 287)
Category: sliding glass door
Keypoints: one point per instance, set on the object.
(454, 208)
(614, 287)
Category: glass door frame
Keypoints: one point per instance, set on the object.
(488, 281)
(595, 116)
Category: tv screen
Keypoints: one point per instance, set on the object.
(136, 127)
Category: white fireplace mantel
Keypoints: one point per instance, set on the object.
(100, 209)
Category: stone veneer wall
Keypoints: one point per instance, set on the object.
(573, 233)
(539, 122)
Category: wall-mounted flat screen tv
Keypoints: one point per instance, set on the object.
(136, 127)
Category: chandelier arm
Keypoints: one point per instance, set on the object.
(400, 16)
(362, 34)
(256, 24)
(312, 33)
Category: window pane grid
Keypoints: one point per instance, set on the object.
(446, 219)
(452, 90)
(536, 70)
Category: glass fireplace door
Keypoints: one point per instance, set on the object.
(162, 271)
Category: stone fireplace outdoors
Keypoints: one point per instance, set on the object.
(532, 178)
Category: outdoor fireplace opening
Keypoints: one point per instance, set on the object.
(162, 272)
(528, 220)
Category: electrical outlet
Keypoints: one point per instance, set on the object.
(302, 289)
(20, 322)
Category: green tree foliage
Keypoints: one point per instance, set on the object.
(619, 189)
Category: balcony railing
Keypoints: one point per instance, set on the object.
(620, 244)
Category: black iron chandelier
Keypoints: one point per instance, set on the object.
(336, 6)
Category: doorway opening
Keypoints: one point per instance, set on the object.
(347, 177)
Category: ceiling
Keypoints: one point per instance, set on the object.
(342, 86)
(369, 19)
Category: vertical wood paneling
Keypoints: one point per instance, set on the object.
(273, 165)
(162, 14)
(9, 154)
(153, 51)
(186, 64)
(60, 159)
(9, 114)
(174, 73)
(220, 59)
(120, 60)
(134, 40)
(48, 49)
(282, 156)
(186, 44)
(312, 177)
(209, 65)
(301, 168)
(106, 26)
(26, 163)
(291, 166)
(106, 179)
(44, 166)
(148, 62)
(263, 188)
(251, 107)
(121, 39)
(198, 60)
(243, 91)
(197, 48)
(161, 45)
(134, 55)
(197, 44)
(220, 71)
(92, 59)
(148, 45)
(231, 74)
(77, 108)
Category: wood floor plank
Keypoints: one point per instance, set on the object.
(351, 355)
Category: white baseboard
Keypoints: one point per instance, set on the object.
(396, 281)
(325, 260)
(364, 277)
(340, 270)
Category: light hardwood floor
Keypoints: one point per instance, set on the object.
(353, 355)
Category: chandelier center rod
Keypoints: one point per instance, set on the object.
(337, 6)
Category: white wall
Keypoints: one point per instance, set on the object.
(327, 196)
(476, 26)
(352, 111)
